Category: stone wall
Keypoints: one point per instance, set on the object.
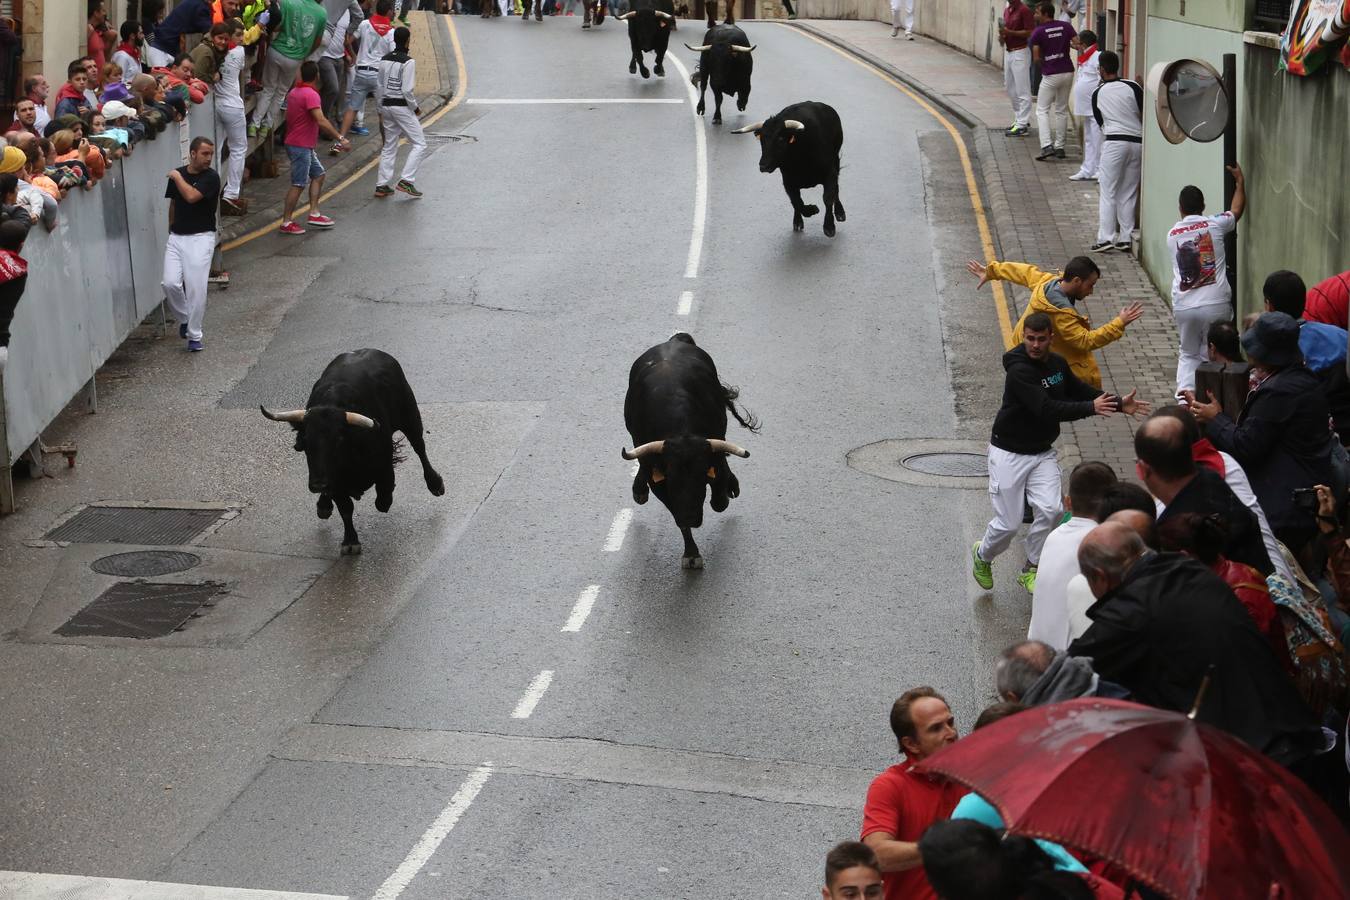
(967, 25)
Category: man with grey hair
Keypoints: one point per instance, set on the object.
(1033, 673)
(1163, 622)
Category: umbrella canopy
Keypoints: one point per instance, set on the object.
(1185, 808)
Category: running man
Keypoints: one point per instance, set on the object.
(398, 117)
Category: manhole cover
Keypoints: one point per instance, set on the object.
(152, 526)
(451, 138)
(959, 465)
(145, 563)
(136, 609)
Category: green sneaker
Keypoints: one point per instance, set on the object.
(983, 571)
(1027, 579)
(408, 188)
(383, 190)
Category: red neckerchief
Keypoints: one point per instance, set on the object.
(1087, 54)
(1204, 453)
(12, 265)
(130, 50)
(380, 24)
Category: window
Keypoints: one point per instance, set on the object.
(1271, 15)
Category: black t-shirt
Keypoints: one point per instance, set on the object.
(199, 217)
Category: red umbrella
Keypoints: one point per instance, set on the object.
(1185, 808)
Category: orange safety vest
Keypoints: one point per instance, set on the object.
(217, 12)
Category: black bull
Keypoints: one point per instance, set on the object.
(649, 25)
(676, 413)
(803, 142)
(346, 432)
(725, 63)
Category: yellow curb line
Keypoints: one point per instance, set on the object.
(976, 202)
(462, 86)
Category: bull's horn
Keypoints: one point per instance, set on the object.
(626, 16)
(700, 49)
(742, 49)
(717, 446)
(663, 15)
(793, 125)
(645, 450)
(360, 421)
(294, 415)
(748, 128)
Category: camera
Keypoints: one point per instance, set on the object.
(1306, 499)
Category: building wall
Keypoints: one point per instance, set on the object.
(1298, 156)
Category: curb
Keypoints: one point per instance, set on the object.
(956, 111)
(233, 227)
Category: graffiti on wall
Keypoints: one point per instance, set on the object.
(1317, 31)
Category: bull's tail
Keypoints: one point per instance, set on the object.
(741, 414)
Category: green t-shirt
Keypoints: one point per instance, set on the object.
(301, 22)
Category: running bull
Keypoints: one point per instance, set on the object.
(676, 413)
(803, 142)
(649, 26)
(346, 432)
(725, 63)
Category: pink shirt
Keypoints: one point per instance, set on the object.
(301, 129)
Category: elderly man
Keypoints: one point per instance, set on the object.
(902, 803)
(36, 89)
(1162, 620)
(1033, 673)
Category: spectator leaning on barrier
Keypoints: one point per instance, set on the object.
(10, 208)
(193, 191)
(230, 115)
(71, 98)
(114, 88)
(128, 53)
(208, 56)
(13, 279)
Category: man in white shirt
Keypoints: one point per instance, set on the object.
(1086, 78)
(1059, 557)
(375, 37)
(1200, 291)
(230, 115)
(1118, 107)
(397, 102)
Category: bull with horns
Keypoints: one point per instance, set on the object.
(649, 25)
(346, 432)
(724, 63)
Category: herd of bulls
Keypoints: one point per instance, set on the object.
(677, 405)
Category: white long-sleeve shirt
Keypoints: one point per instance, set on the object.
(1059, 563)
(396, 80)
(227, 90)
(1118, 107)
(1086, 78)
(374, 45)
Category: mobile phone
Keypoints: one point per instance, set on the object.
(1306, 499)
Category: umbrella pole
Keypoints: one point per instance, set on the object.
(1200, 694)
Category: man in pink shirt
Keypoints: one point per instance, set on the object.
(304, 120)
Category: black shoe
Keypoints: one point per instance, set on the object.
(1046, 153)
(1122, 246)
(1059, 153)
(1102, 247)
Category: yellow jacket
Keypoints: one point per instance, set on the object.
(1075, 338)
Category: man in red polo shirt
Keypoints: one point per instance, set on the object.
(1014, 29)
(901, 804)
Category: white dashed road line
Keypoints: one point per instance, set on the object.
(700, 176)
(686, 304)
(532, 695)
(582, 609)
(614, 542)
(552, 101)
(41, 884)
(432, 838)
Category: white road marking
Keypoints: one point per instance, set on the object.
(700, 176)
(550, 101)
(633, 470)
(622, 518)
(39, 885)
(582, 609)
(432, 838)
(686, 303)
(533, 693)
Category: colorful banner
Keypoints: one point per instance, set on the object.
(1315, 29)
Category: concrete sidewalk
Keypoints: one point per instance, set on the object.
(1037, 216)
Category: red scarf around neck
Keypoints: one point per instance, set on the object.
(1087, 54)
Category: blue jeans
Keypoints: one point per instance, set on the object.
(305, 165)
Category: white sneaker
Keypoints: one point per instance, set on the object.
(909, 35)
(1080, 175)
(4, 357)
(894, 32)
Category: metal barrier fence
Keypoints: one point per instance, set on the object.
(90, 283)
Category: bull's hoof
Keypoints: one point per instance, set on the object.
(699, 109)
(436, 485)
(719, 502)
(325, 507)
(640, 496)
(691, 562)
(659, 70)
(810, 210)
(839, 212)
(645, 73)
(632, 68)
(383, 503)
(798, 224)
(351, 549)
(829, 229)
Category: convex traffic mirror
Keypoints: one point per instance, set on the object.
(1190, 100)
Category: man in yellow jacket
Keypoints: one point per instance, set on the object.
(1056, 296)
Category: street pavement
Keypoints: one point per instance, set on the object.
(515, 689)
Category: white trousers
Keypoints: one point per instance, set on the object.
(277, 80)
(1192, 335)
(1054, 93)
(1092, 145)
(236, 133)
(187, 266)
(902, 15)
(1016, 479)
(1017, 81)
(1118, 183)
(400, 121)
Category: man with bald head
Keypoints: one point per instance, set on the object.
(1162, 619)
(1165, 464)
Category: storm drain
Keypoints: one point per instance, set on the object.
(138, 609)
(134, 525)
(145, 563)
(953, 465)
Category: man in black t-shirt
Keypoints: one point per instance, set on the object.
(193, 192)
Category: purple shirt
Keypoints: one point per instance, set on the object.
(1053, 39)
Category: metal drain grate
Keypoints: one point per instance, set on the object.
(137, 609)
(153, 526)
(960, 465)
(145, 563)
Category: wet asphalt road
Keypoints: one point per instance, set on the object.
(693, 733)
